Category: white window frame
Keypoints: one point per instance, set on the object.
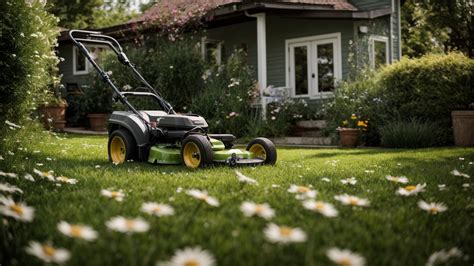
(75, 52)
(313, 93)
(205, 41)
(75, 72)
(372, 40)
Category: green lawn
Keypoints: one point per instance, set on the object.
(393, 230)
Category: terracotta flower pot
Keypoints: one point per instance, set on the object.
(348, 137)
(463, 128)
(54, 116)
(98, 122)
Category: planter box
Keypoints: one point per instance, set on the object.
(312, 124)
(463, 128)
(98, 122)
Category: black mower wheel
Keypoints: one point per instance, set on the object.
(263, 148)
(196, 151)
(122, 146)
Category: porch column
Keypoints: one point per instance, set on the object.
(261, 57)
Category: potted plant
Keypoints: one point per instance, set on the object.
(463, 126)
(97, 103)
(54, 107)
(350, 130)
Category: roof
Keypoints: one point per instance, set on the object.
(168, 6)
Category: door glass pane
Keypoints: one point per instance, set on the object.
(80, 61)
(380, 50)
(325, 67)
(301, 70)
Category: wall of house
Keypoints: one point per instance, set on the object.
(396, 30)
(281, 29)
(66, 67)
(369, 4)
(236, 35)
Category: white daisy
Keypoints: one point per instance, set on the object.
(29, 177)
(350, 181)
(411, 190)
(77, 231)
(433, 207)
(47, 175)
(326, 209)
(202, 195)
(263, 210)
(48, 253)
(192, 256)
(352, 200)
(11, 175)
(245, 179)
(157, 209)
(441, 187)
(466, 185)
(397, 179)
(116, 195)
(457, 173)
(284, 234)
(17, 210)
(302, 192)
(66, 180)
(5, 187)
(442, 256)
(345, 257)
(325, 179)
(124, 225)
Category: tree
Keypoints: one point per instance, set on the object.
(90, 13)
(434, 26)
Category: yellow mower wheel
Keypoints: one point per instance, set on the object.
(121, 146)
(264, 149)
(196, 151)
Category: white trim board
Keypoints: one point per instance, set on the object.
(334, 38)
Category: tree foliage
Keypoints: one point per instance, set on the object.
(436, 26)
(90, 13)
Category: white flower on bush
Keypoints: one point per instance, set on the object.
(234, 82)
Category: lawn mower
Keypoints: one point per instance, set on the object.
(164, 136)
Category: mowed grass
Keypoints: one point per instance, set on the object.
(392, 231)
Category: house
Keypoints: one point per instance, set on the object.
(305, 46)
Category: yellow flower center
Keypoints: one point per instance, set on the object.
(45, 174)
(259, 208)
(202, 197)
(434, 210)
(156, 209)
(114, 194)
(303, 189)
(410, 188)
(130, 224)
(17, 209)
(48, 250)
(319, 205)
(285, 231)
(76, 230)
(354, 201)
(344, 262)
(191, 263)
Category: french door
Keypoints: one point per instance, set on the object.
(313, 67)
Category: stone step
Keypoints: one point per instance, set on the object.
(320, 141)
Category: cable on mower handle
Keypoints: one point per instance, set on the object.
(122, 58)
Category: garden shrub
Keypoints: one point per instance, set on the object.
(225, 99)
(174, 69)
(28, 62)
(411, 134)
(427, 89)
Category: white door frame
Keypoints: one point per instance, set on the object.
(313, 41)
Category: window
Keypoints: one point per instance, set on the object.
(314, 65)
(212, 51)
(378, 51)
(81, 66)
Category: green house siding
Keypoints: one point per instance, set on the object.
(370, 4)
(281, 29)
(396, 30)
(235, 36)
(66, 67)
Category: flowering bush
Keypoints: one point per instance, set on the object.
(354, 122)
(27, 41)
